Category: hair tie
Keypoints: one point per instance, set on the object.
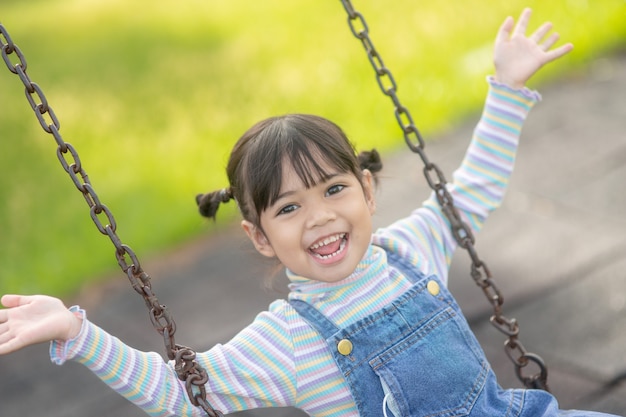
(226, 195)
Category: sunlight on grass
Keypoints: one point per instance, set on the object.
(154, 94)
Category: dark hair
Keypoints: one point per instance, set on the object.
(256, 162)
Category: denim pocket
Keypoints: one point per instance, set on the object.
(436, 370)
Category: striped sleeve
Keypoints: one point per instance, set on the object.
(142, 377)
(255, 369)
(477, 188)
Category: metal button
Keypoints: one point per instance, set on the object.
(433, 287)
(344, 347)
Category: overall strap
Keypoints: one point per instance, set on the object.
(327, 328)
(315, 318)
(404, 266)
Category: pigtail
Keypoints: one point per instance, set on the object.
(209, 203)
(371, 161)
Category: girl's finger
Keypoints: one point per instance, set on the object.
(505, 30)
(541, 32)
(559, 52)
(12, 300)
(522, 23)
(550, 41)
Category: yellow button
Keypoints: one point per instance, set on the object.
(344, 347)
(433, 287)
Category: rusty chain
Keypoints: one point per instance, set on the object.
(460, 230)
(186, 367)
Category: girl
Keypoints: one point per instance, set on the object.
(369, 327)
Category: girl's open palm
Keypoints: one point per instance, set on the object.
(28, 320)
(517, 56)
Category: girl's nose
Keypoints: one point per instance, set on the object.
(320, 216)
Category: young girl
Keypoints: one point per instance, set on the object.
(369, 327)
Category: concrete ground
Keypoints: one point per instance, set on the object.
(557, 249)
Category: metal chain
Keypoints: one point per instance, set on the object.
(186, 367)
(460, 230)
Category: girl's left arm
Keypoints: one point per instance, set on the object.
(478, 185)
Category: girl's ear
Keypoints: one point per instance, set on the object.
(368, 190)
(258, 238)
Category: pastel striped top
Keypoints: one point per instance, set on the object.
(279, 360)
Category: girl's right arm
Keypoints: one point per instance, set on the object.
(28, 320)
(255, 369)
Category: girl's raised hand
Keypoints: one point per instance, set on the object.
(28, 320)
(517, 56)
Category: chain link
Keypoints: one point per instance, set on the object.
(186, 367)
(460, 230)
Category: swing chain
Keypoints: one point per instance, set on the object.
(460, 230)
(185, 365)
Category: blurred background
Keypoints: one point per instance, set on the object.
(154, 94)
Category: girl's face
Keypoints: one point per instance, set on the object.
(322, 232)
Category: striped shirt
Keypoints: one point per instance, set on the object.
(279, 360)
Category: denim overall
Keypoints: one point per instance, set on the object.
(418, 357)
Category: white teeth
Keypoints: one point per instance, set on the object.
(341, 248)
(328, 240)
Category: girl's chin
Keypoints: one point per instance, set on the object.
(336, 272)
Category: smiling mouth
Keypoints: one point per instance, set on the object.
(329, 247)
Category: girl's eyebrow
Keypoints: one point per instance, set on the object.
(324, 179)
(283, 195)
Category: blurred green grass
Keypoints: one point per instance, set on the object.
(154, 94)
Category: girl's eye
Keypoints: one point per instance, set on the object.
(287, 209)
(334, 189)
